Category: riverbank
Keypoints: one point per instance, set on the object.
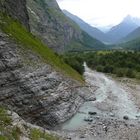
(132, 86)
(116, 111)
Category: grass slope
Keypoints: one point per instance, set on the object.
(87, 43)
(132, 36)
(131, 45)
(22, 36)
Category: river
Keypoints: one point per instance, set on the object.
(112, 101)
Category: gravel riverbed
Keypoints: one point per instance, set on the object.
(113, 115)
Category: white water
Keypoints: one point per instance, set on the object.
(111, 98)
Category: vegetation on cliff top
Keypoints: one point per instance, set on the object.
(16, 31)
(7, 130)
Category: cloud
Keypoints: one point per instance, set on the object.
(101, 12)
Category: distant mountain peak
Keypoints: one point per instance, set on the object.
(131, 19)
(128, 24)
(128, 17)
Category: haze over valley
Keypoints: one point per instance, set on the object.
(115, 34)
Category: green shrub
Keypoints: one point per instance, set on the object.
(16, 132)
(75, 62)
(130, 73)
(3, 138)
(121, 63)
(8, 131)
(4, 118)
(119, 72)
(37, 134)
(100, 68)
(108, 69)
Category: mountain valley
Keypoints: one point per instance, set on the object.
(126, 31)
(52, 81)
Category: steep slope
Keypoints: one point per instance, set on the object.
(49, 23)
(118, 32)
(133, 35)
(92, 31)
(131, 45)
(87, 43)
(34, 81)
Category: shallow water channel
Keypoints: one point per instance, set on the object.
(111, 101)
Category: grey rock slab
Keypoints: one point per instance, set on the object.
(37, 92)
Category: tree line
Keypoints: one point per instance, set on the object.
(120, 63)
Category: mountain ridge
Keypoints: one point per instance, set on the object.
(123, 29)
(55, 29)
(92, 31)
(131, 36)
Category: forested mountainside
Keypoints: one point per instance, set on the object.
(130, 45)
(133, 35)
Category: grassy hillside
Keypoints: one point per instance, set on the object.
(15, 30)
(132, 36)
(91, 42)
(131, 45)
(87, 43)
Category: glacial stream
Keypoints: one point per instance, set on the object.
(112, 101)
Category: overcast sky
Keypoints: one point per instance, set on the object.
(102, 12)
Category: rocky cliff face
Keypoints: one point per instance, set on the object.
(34, 89)
(16, 9)
(56, 30)
(49, 23)
(29, 85)
(45, 20)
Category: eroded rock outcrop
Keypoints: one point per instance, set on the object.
(33, 88)
(29, 85)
